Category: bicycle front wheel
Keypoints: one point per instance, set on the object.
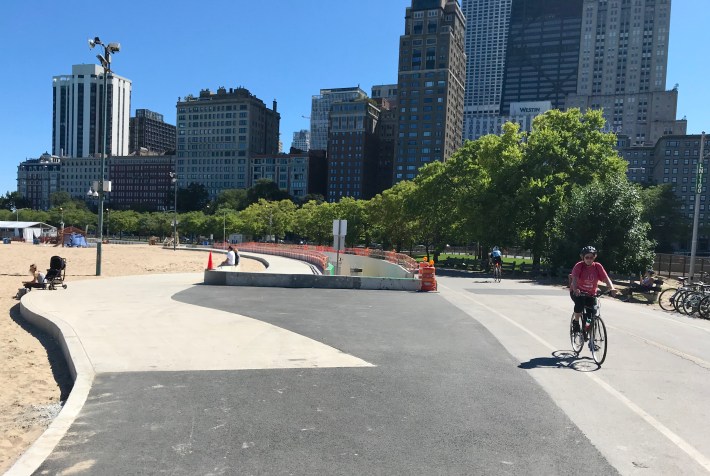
(576, 338)
(667, 298)
(598, 341)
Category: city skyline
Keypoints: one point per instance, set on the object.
(287, 57)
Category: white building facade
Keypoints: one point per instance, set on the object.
(78, 113)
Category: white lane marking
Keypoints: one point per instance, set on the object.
(660, 427)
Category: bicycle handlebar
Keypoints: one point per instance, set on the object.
(598, 294)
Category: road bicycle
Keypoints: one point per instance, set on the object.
(497, 272)
(592, 331)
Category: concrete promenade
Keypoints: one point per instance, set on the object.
(132, 324)
(181, 378)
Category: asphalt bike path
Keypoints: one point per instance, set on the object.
(645, 409)
(194, 379)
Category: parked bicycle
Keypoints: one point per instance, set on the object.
(592, 331)
(685, 299)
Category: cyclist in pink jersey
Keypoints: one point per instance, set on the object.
(585, 277)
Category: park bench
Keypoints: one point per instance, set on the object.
(634, 287)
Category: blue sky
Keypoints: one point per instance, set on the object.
(279, 49)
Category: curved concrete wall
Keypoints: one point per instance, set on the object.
(236, 278)
(370, 266)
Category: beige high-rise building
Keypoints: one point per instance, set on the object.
(430, 86)
(623, 63)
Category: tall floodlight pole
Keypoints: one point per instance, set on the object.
(696, 211)
(106, 63)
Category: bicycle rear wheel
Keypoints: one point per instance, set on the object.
(598, 341)
(496, 274)
(667, 298)
(678, 301)
(576, 338)
(704, 307)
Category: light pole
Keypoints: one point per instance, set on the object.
(696, 211)
(174, 180)
(224, 227)
(61, 225)
(108, 221)
(106, 63)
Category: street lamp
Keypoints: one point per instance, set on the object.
(174, 180)
(224, 227)
(105, 61)
(61, 225)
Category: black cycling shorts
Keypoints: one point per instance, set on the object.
(581, 301)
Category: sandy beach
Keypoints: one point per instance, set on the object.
(34, 378)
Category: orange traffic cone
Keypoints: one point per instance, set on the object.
(209, 262)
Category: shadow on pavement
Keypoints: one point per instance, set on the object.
(561, 359)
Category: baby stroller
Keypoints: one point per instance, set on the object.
(56, 272)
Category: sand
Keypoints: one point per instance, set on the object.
(34, 381)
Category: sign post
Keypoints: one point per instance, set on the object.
(340, 229)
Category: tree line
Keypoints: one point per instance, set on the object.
(551, 191)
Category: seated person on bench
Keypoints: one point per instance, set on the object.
(647, 282)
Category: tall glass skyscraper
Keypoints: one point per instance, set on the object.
(485, 45)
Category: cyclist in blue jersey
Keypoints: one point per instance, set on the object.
(496, 256)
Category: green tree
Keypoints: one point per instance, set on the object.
(609, 216)
(354, 211)
(266, 189)
(235, 199)
(60, 199)
(661, 209)
(435, 216)
(313, 221)
(563, 150)
(486, 174)
(194, 197)
(124, 221)
(13, 200)
(392, 223)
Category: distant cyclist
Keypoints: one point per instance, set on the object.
(496, 257)
(584, 279)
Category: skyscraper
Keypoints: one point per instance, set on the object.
(302, 140)
(218, 133)
(622, 68)
(149, 131)
(543, 52)
(561, 54)
(78, 112)
(353, 149)
(320, 112)
(432, 73)
(486, 45)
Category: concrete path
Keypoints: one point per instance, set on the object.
(191, 379)
(646, 408)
